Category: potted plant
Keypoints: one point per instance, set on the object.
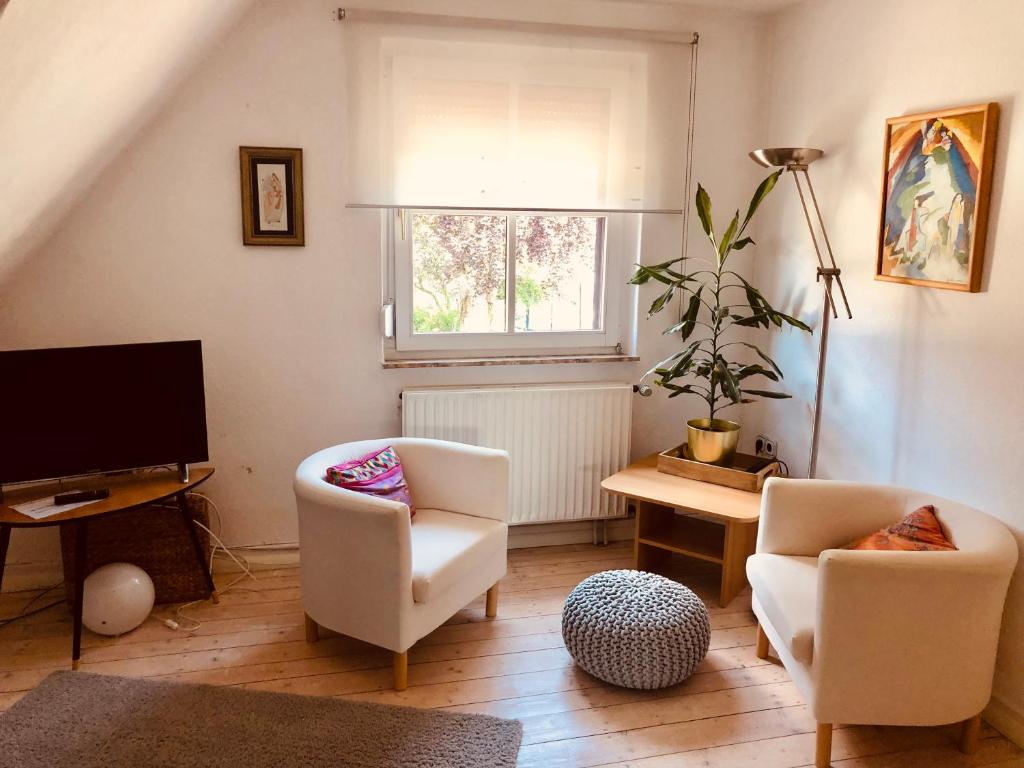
(720, 300)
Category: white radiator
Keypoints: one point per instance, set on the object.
(563, 439)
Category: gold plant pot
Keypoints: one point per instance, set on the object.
(713, 441)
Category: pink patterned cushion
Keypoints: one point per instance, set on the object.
(378, 474)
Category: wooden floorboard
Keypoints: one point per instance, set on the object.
(736, 710)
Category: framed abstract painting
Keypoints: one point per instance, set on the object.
(936, 186)
(271, 196)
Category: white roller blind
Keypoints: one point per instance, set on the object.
(471, 118)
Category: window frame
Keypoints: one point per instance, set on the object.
(616, 298)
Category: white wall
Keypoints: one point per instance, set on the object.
(292, 351)
(923, 385)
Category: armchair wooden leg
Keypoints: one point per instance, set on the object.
(492, 602)
(762, 644)
(401, 666)
(823, 746)
(970, 731)
(312, 630)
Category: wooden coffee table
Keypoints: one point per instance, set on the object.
(127, 492)
(691, 518)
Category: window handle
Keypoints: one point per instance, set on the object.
(387, 319)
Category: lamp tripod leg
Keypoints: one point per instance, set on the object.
(826, 318)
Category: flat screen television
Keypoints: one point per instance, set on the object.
(83, 410)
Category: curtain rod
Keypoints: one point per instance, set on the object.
(509, 25)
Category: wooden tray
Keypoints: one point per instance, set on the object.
(747, 472)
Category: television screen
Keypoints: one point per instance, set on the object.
(81, 410)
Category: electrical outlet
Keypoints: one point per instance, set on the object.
(766, 446)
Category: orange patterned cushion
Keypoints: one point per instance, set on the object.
(918, 531)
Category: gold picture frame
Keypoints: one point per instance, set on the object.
(936, 184)
(272, 206)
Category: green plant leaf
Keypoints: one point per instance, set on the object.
(675, 327)
(753, 320)
(671, 358)
(794, 322)
(641, 276)
(765, 393)
(704, 213)
(660, 302)
(679, 389)
(756, 302)
(688, 321)
(760, 353)
(681, 368)
(679, 277)
(730, 233)
(690, 317)
(746, 371)
(761, 193)
(687, 353)
(728, 381)
(661, 273)
(661, 278)
(742, 243)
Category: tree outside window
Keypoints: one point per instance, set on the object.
(460, 268)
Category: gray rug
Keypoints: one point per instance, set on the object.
(79, 720)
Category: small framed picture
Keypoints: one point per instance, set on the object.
(271, 196)
(935, 197)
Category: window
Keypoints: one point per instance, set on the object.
(518, 282)
(514, 168)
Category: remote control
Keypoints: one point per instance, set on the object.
(73, 497)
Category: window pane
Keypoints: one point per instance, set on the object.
(458, 273)
(559, 260)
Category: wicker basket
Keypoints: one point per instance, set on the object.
(153, 538)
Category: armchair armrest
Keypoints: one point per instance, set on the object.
(456, 477)
(892, 625)
(356, 562)
(805, 517)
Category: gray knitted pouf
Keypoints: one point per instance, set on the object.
(635, 629)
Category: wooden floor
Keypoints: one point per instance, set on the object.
(735, 711)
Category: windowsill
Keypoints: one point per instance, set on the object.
(457, 362)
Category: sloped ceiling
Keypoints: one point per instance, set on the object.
(77, 79)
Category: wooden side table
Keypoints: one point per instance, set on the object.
(126, 492)
(719, 524)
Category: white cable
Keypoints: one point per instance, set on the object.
(213, 506)
(242, 563)
(215, 537)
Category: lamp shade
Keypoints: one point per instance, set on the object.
(783, 157)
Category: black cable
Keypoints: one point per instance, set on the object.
(24, 615)
(25, 611)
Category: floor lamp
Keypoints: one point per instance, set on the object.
(796, 160)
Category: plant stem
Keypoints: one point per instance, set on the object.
(714, 336)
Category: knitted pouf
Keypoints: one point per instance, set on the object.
(635, 629)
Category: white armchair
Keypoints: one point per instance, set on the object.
(368, 573)
(883, 638)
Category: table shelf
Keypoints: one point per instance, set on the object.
(677, 515)
(684, 535)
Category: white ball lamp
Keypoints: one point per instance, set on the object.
(118, 598)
